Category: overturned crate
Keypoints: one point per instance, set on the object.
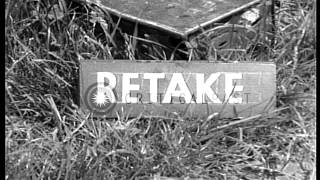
(194, 30)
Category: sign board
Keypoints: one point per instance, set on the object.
(181, 18)
(188, 88)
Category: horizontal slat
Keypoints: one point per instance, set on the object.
(187, 88)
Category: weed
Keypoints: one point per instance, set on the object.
(47, 136)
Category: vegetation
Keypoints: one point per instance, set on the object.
(47, 136)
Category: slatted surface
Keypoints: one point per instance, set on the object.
(181, 17)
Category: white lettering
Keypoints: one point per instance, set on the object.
(107, 90)
(177, 80)
(177, 87)
(204, 88)
(127, 87)
(231, 88)
(153, 77)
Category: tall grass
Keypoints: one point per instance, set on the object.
(47, 136)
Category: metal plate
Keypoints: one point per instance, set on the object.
(181, 17)
(108, 88)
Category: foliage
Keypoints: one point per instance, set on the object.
(48, 137)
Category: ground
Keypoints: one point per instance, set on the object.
(47, 136)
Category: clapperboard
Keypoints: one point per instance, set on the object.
(192, 88)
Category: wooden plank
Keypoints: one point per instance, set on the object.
(187, 88)
(181, 18)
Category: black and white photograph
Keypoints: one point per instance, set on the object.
(160, 89)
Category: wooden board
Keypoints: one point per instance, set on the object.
(181, 18)
(188, 88)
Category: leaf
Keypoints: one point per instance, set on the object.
(56, 13)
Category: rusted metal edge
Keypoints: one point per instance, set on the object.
(217, 19)
(183, 35)
(140, 20)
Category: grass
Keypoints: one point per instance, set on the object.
(47, 136)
